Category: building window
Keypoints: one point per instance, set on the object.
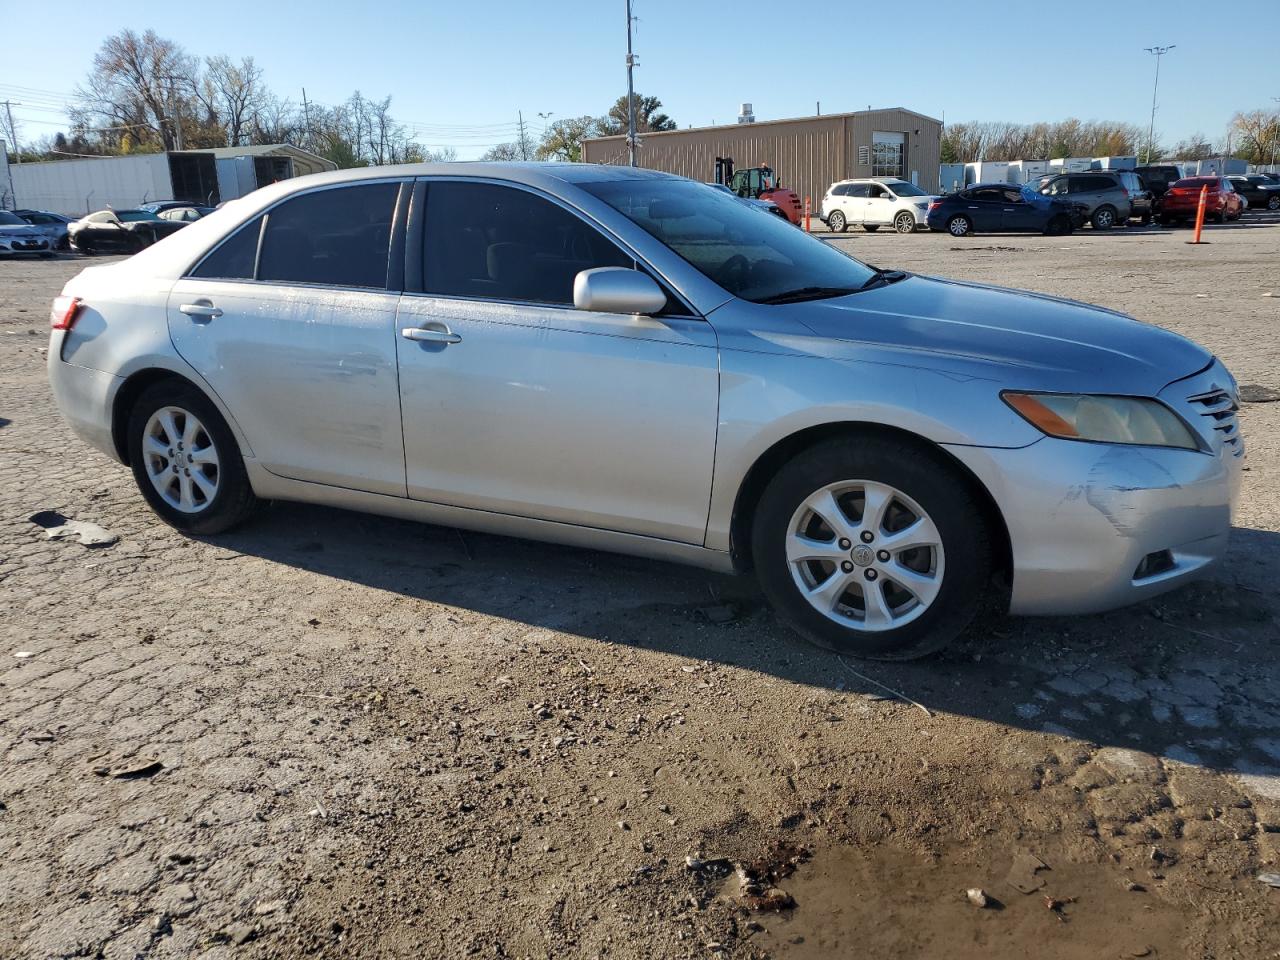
(887, 154)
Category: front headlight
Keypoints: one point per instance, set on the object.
(1103, 419)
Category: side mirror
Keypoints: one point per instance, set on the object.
(617, 290)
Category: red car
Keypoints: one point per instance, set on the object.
(1183, 196)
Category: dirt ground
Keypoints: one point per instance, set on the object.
(335, 735)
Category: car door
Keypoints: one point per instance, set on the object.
(879, 207)
(854, 202)
(291, 321)
(1018, 215)
(985, 207)
(517, 403)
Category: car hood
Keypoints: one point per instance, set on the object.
(1028, 340)
(25, 230)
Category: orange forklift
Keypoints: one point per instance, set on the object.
(759, 183)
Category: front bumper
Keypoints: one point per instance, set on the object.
(10, 245)
(1082, 517)
(84, 397)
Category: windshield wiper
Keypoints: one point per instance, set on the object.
(807, 293)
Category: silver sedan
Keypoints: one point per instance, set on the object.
(621, 359)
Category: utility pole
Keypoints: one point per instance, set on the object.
(631, 95)
(524, 140)
(306, 115)
(1157, 52)
(13, 134)
(1275, 135)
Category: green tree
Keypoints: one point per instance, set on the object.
(563, 139)
(649, 116)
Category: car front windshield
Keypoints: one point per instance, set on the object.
(11, 220)
(758, 258)
(904, 189)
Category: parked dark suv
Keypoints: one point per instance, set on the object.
(1158, 178)
(1103, 195)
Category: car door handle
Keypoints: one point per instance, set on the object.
(427, 335)
(201, 308)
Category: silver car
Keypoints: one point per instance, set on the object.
(625, 360)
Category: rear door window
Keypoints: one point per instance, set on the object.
(501, 243)
(338, 237)
(235, 257)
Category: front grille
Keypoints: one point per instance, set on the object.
(1219, 406)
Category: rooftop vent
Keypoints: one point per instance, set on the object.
(745, 115)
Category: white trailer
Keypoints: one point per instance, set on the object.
(77, 187)
(1025, 171)
(1114, 163)
(951, 177)
(1070, 164)
(986, 171)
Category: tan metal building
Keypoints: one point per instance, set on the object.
(807, 153)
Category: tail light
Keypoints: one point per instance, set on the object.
(64, 313)
(934, 204)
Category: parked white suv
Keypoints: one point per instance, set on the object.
(875, 203)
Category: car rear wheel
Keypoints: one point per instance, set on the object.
(186, 461)
(904, 223)
(960, 226)
(1104, 218)
(837, 222)
(1273, 203)
(872, 548)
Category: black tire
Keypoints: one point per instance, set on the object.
(1058, 226)
(1104, 218)
(959, 225)
(924, 475)
(233, 500)
(836, 222)
(1273, 202)
(871, 227)
(1145, 220)
(904, 222)
(1220, 216)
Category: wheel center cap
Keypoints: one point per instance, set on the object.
(863, 555)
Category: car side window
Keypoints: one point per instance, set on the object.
(1012, 195)
(988, 195)
(858, 190)
(235, 257)
(875, 192)
(1056, 187)
(501, 243)
(338, 237)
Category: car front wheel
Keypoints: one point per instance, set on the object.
(1273, 203)
(904, 223)
(872, 548)
(186, 461)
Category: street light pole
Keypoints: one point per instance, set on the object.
(1275, 135)
(1158, 52)
(631, 96)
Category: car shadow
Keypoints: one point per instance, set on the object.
(1190, 676)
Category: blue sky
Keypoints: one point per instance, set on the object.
(460, 71)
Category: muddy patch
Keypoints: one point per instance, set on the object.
(883, 902)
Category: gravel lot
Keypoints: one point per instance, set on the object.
(381, 739)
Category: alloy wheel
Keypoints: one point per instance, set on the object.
(959, 226)
(180, 459)
(905, 223)
(865, 555)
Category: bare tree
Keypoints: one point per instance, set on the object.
(1254, 134)
(503, 151)
(233, 95)
(140, 86)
